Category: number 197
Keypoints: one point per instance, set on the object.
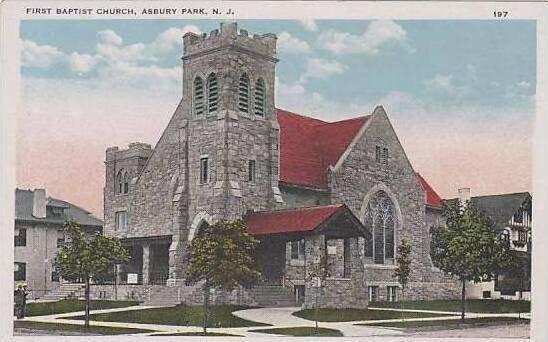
(500, 14)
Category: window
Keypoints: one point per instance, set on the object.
(126, 183)
(259, 97)
(518, 216)
(373, 293)
(60, 238)
(119, 182)
(120, 219)
(275, 170)
(380, 219)
(384, 156)
(198, 96)
(381, 155)
(54, 275)
(391, 293)
(522, 236)
(20, 271)
(297, 249)
(275, 143)
(204, 172)
(243, 94)
(251, 171)
(212, 93)
(20, 237)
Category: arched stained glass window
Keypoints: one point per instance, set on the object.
(243, 94)
(259, 97)
(380, 220)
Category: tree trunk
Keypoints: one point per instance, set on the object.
(463, 298)
(86, 305)
(401, 304)
(206, 302)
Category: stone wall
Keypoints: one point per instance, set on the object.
(360, 176)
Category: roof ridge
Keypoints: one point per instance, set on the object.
(495, 195)
(299, 208)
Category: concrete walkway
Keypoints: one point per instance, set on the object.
(276, 317)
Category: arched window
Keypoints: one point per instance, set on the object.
(126, 183)
(198, 96)
(243, 94)
(259, 97)
(212, 93)
(119, 182)
(381, 221)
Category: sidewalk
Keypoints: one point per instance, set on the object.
(276, 317)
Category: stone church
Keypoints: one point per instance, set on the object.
(305, 188)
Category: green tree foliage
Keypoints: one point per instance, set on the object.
(467, 246)
(222, 256)
(403, 268)
(81, 258)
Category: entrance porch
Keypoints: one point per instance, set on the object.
(148, 263)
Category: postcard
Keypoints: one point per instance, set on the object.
(258, 170)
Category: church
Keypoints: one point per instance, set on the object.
(305, 188)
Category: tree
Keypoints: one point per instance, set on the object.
(83, 258)
(319, 272)
(223, 257)
(403, 269)
(467, 246)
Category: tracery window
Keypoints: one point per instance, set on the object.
(198, 96)
(212, 93)
(119, 182)
(243, 94)
(380, 219)
(126, 183)
(259, 97)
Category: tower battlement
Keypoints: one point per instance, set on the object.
(228, 35)
(135, 149)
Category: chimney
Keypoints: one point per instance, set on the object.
(464, 196)
(39, 203)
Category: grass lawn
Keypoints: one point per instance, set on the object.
(218, 316)
(196, 334)
(347, 315)
(77, 328)
(472, 305)
(300, 331)
(451, 323)
(71, 305)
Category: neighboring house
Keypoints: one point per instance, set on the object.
(39, 232)
(304, 187)
(513, 220)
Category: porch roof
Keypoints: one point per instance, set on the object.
(331, 220)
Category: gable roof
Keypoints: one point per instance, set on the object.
(309, 146)
(432, 197)
(499, 208)
(23, 211)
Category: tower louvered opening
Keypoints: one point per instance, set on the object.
(212, 93)
(259, 97)
(243, 94)
(198, 96)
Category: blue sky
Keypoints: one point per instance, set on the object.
(444, 84)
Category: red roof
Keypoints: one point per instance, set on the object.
(432, 198)
(309, 146)
(296, 220)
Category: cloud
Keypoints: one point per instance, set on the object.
(524, 84)
(309, 24)
(377, 34)
(322, 69)
(109, 37)
(82, 63)
(445, 85)
(114, 62)
(40, 56)
(288, 43)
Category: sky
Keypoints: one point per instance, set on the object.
(460, 94)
